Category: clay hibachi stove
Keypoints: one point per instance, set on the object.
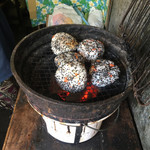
(69, 117)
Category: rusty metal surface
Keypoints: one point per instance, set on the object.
(59, 110)
(27, 131)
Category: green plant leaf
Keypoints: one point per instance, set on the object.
(46, 2)
(83, 2)
(68, 2)
(99, 7)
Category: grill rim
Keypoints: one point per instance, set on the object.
(29, 91)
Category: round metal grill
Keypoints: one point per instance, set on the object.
(33, 67)
(40, 77)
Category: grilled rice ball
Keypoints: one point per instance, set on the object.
(91, 49)
(72, 77)
(63, 42)
(104, 72)
(68, 57)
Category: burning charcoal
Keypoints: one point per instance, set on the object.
(91, 49)
(72, 77)
(68, 57)
(104, 72)
(63, 42)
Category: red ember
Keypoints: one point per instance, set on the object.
(90, 92)
(63, 95)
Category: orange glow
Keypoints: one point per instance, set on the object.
(111, 65)
(76, 55)
(90, 92)
(110, 75)
(98, 60)
(65, 80)
(63, 95)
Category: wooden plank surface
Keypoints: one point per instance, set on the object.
(27, 131)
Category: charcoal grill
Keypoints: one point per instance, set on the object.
(32, 64)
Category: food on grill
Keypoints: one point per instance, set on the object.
(68, 57)
(71, 77)
(63, 42)
(104, 72)
(91, 49)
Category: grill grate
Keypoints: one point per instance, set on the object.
(41, 78)
(33, 67)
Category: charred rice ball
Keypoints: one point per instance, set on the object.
(71, 77)
(68, 57)
(63, 42)
(91, 49)
(104, 72)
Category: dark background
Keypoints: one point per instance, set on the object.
(18, 19)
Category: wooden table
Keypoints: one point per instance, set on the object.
(27, 131)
